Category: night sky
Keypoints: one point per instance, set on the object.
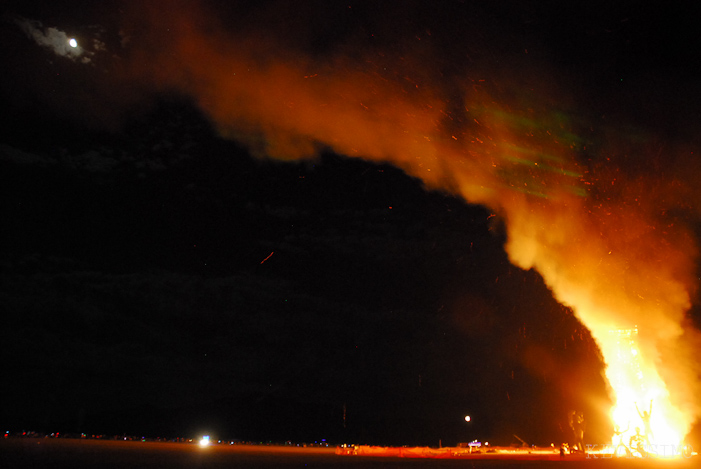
(163, 274)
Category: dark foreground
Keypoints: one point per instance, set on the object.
(60, 453)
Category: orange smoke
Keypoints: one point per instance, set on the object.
(605, 242)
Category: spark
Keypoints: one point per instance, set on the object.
(267, 257)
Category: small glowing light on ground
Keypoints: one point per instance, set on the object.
(72, 42)
(204, 441)
(468, 418)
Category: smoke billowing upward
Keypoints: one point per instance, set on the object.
(610, 242)
(605, 222)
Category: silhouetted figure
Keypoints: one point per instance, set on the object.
(577, 426)
(617, 441)
(645, 417)
(617, 438)
(571, 417)
(636, 442)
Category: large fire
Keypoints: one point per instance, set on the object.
(610, 242)
(626, 272)
(638, 388)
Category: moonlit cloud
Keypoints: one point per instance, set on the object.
(55, 39)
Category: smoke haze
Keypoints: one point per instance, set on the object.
(611, 245)
(602, 215)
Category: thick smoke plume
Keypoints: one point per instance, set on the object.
(611, 243)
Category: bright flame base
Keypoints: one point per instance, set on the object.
(642, 414)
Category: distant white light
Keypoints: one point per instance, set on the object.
(72, 42)
(204, 441)
(468, 418)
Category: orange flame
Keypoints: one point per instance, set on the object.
(606, 242)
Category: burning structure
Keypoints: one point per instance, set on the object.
(638, 390)
(627, 379)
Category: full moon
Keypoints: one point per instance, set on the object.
(72, 42)
(468, 418)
